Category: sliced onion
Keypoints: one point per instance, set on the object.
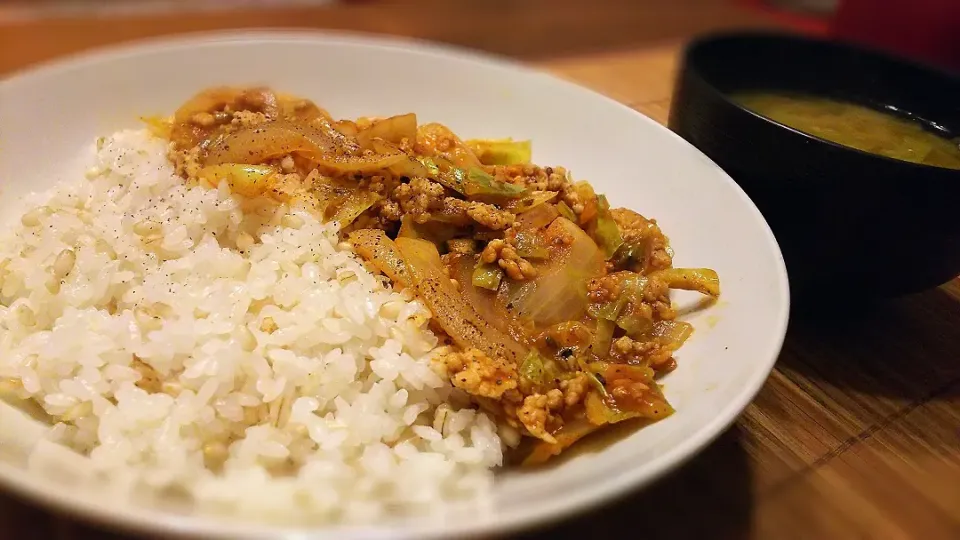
(269, 141)
(355, 205)
(482, 300)
(394, 130)
(347, 128)
(571, 432)
(457, 318)
(437, 232)
(208, 100)
(186, 133)
(413, 167)
(377, 248)
(300, 109)
(275, 139)
(432, 137)
(247, 180)
(530, 201)
(330, 193)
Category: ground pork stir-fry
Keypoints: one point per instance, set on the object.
(556, 305)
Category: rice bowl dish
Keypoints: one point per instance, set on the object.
(192, 351)
(195, 324)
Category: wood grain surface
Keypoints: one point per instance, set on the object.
(856, 433)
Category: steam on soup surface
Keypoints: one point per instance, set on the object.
(855, 126)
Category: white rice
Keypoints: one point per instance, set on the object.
(337, 414)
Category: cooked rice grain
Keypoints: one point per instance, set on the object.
(278, 381)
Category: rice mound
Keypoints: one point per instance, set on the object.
(266, 380)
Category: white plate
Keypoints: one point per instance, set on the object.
(49, 114)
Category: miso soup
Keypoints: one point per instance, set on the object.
(856, 126)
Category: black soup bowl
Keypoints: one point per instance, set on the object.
(848, 222)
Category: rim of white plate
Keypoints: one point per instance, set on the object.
(151, 520)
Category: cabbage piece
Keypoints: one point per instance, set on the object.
(538, 374)
(631, 290)
(636, 319)
(627, 310)
(532, 369)
(672, 334)
(599, 411)
(501, 151)
(602, 338)
(641, 396)
(530, 245)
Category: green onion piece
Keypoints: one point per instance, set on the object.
(566, 211)
(479, 182)
(487, 276)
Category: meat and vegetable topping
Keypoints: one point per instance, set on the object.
(556, 304)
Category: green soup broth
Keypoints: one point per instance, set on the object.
(856, 126)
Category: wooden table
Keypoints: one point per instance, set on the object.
(856, 433)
